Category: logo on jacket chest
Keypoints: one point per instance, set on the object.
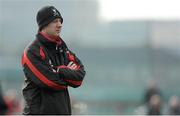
(52, 66)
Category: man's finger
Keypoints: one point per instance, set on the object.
(70, 63)
(74, 66)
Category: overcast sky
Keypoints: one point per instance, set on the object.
(139, 9)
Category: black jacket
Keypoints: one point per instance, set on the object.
(47, 78)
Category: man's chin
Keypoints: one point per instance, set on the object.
(56, 35)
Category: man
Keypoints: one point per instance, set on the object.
(49, 68)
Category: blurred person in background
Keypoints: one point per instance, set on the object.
(174, 105)
(12, 102)
(152, 100)
(50, 68)
(151, 90)
(155, 105)
(3, 105)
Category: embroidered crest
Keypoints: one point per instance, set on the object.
(55, 13)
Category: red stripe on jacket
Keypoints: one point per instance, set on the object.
(39, 75)
(42, 53)
(74, 82)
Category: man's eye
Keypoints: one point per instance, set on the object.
(55, 21)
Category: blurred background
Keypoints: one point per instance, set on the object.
(130, 49)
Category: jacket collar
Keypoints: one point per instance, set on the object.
(48, 39)
(48, 42)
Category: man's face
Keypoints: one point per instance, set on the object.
(54, 28)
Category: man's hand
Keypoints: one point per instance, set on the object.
(72, 66)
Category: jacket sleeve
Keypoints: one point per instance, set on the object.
(40, 72)
(73, 78)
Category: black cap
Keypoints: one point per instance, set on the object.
(46, 15)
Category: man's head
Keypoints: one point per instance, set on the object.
(49, 20)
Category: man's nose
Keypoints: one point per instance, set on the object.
(59, 24)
